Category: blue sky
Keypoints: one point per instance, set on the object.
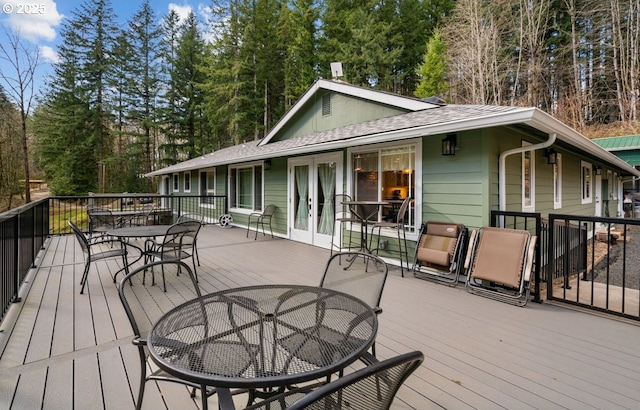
(38, 23)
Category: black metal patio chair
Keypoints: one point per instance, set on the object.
(93, 252)
(359, 274)
(260, 218)
(145, 304)
(177, 244)
(371, 388)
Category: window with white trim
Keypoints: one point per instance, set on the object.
(586, 181)
(176, 183)
(557, 183)
(246, 187)
(187, 181)
(207, 187)
(528, 180)
(387, 173)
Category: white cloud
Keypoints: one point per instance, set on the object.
(33, 20)
(181, 11)
(49, 55)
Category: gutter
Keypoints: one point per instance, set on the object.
(502, 174)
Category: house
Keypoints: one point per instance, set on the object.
(459, 162)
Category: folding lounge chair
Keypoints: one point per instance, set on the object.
(499, 263)
(440, 252)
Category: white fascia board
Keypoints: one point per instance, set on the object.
(544, 122)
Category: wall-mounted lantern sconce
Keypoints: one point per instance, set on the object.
(552, 156)
(597, 170)
(449, 144)
(267, 164)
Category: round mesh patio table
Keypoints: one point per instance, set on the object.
(265, 336)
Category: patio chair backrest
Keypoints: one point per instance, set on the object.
(190, 217)
(82, 240)
(359, 274)
(269, 211)
(501, 256)
(439, 242)
(402, 212)
(180, 237)
(144, 303)
(371, 388)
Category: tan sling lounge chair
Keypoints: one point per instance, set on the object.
(499, 263)
(440, 252)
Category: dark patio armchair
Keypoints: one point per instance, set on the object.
(102, 220)
(177, 244)
(145, 304)
(399, 226)
(260, 218)
(371, 388)
(94, 251)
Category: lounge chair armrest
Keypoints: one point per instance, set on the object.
(529, 262)
(472, 242)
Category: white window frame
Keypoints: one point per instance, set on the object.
(187, 182)
(417, 189)
(586, 184)
(557, 183)
(208, 190)
(176, 183)
(230, 191)
(531, 207)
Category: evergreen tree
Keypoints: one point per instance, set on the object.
(193, 136)
(144, 86)
(433, 70)
(298, 31)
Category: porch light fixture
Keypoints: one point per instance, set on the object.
(267, 164)
(597, 170)
(552, 156)
(449, 144)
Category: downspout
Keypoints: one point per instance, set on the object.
(502, 175)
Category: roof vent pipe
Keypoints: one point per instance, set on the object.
(502, 166)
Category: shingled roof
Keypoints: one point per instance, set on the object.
(403, 126)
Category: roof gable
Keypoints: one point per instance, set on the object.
(332, 104)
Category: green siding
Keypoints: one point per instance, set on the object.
(454, 187)
(345, 110)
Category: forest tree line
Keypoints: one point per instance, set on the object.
(124, 101)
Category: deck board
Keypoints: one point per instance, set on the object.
(72, 351)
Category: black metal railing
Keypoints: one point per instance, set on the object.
(603, 273)
(24, 230)
(167, 208)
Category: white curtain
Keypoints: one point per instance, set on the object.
(327, 175)
(302, 182)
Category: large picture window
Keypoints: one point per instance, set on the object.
(385, 174)
(246, 187)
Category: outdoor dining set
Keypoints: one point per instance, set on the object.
(269, 346)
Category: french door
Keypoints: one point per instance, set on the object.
(313, 181)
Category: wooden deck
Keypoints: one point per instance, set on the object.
(72, 351)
